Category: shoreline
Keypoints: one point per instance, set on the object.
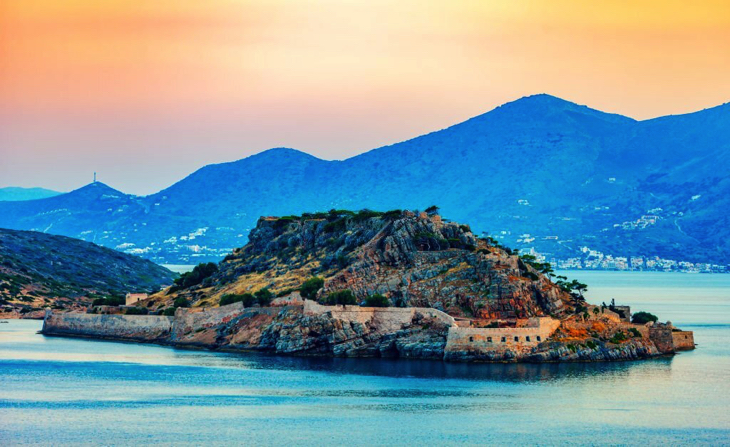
(314, 330)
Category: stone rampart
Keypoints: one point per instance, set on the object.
(121, 327)
(191, 320)
(386, 319)
(490, 340)
(683, 340)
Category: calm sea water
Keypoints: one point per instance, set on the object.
(66, 391)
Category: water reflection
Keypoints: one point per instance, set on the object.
(501, 372)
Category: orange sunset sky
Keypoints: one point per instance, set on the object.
(145, 92)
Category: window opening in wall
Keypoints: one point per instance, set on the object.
(471, 338)
(538, 338)
(527, 338)
(489, 339)
(517, 338)
(504, 339)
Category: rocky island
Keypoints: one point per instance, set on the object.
(372, 284)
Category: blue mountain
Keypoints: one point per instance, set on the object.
(14, 193)
(537, 172)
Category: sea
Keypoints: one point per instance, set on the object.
(62, 391)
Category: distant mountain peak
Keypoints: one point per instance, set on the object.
(97, 189)
(543, 105)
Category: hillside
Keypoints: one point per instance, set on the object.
(412, 260)
(394, 284)
(39, 270)
(13, 193)
(539, 172)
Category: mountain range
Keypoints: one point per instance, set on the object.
(539, 172)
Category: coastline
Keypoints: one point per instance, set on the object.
(314, 330)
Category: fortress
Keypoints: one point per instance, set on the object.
(314, 329)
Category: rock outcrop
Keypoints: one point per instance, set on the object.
(413, 260)
(442, 293)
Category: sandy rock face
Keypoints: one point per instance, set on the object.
(413, 260)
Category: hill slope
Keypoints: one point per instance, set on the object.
(13, 193)
(41, 270)
(413, 261)
(537, 172)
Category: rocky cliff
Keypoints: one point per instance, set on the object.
(395, 284)
(411, 259)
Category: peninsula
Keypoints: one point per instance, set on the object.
(371, 284)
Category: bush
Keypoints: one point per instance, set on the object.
(136, 311)
(635, 332)
(169, 312)
(338, 225)
(340, 297)
(181, 301)
(366, 214)
(110, 301)
(643, 318)
(392, 214)
(310, 287)
(618, 337)
(376, 300)
(431, 210)
(195, 277)
(264, 297)
(246, 298)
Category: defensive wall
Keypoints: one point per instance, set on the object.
(387, 319)
(516, 339)
(125, 327)
(683, 340)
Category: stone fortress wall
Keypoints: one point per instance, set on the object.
(387, 319)
(683, 340)
(124, 327)
(517, 339)
(181, 328)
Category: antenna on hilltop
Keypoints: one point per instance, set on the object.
(94, 176)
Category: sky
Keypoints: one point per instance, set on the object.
(146, 92)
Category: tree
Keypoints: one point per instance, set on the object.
(432, 210)
(181, 301)
(376, 300)
(310, 287)
(264, 297)
(340, 297)
(194, 277)
(246, 298)
(643, 318)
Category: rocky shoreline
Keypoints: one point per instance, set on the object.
(311, 329)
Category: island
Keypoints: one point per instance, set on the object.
(403, 284)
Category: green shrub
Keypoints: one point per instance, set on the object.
(195, 277)
(136, 311)
(591, 344)
(246, 298)
(431, 210)
(181, 301)
(310, 287)
(618, 337)
(264, 297)
(366, 214)
(340, 297)
(169, 312)
(643, 318)
(376, 300)
(110, 301)
(635, 332)
(392, 214)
